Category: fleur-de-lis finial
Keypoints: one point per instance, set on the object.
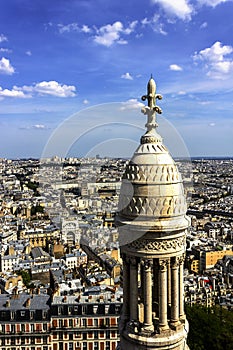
(151, 109)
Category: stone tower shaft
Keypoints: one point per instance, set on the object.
(152, 226)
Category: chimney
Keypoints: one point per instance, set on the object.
(28, 302)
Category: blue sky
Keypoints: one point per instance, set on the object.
(60, 57)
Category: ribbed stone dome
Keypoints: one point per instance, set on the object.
(152, 195)
(152, 191)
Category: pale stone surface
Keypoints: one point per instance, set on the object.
(152, 226)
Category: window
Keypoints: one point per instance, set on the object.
(84, 322)
(85, 346)
(107, 345)
(113, 334)
(107, 334)
(96, 345)
(70, 323)
(22, 313)
(71, 346)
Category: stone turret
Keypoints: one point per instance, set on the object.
(152, 226)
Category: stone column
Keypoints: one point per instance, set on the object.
(169, 283)
(126, 287)
(148, 325)
(181, 287)
(163, 294)
(142, 281)
(174, 291)
(155, 286)
(133, 289)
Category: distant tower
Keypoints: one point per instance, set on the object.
(152, 226)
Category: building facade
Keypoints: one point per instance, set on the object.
(41, 322)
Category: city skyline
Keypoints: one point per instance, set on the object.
(58, 59)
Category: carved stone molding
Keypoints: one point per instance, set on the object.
(159, 246)
(145, 205)
(147, 263)
(175, 263)
(181, 259)
(163, 263)
(152, 173)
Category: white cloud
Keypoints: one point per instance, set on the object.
(131, 104)
(15, 92)
(71, 27)
(175, 67)
(155, 23)
(215, 53)
(203, 25)
(3, 49)
(85, 102)
(85, 29)
(2, 38)
(111, 33)
(179, 8)
(54, 88)
(212, 3)
(35, 127)
(131, 27)
(29, 53)
(127, 76)
(39, 127)
(6, 67)
(217, 65)
(51, 88)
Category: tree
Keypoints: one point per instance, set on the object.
(26, 277)
(209, 328)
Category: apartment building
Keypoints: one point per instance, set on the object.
(43, 322)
